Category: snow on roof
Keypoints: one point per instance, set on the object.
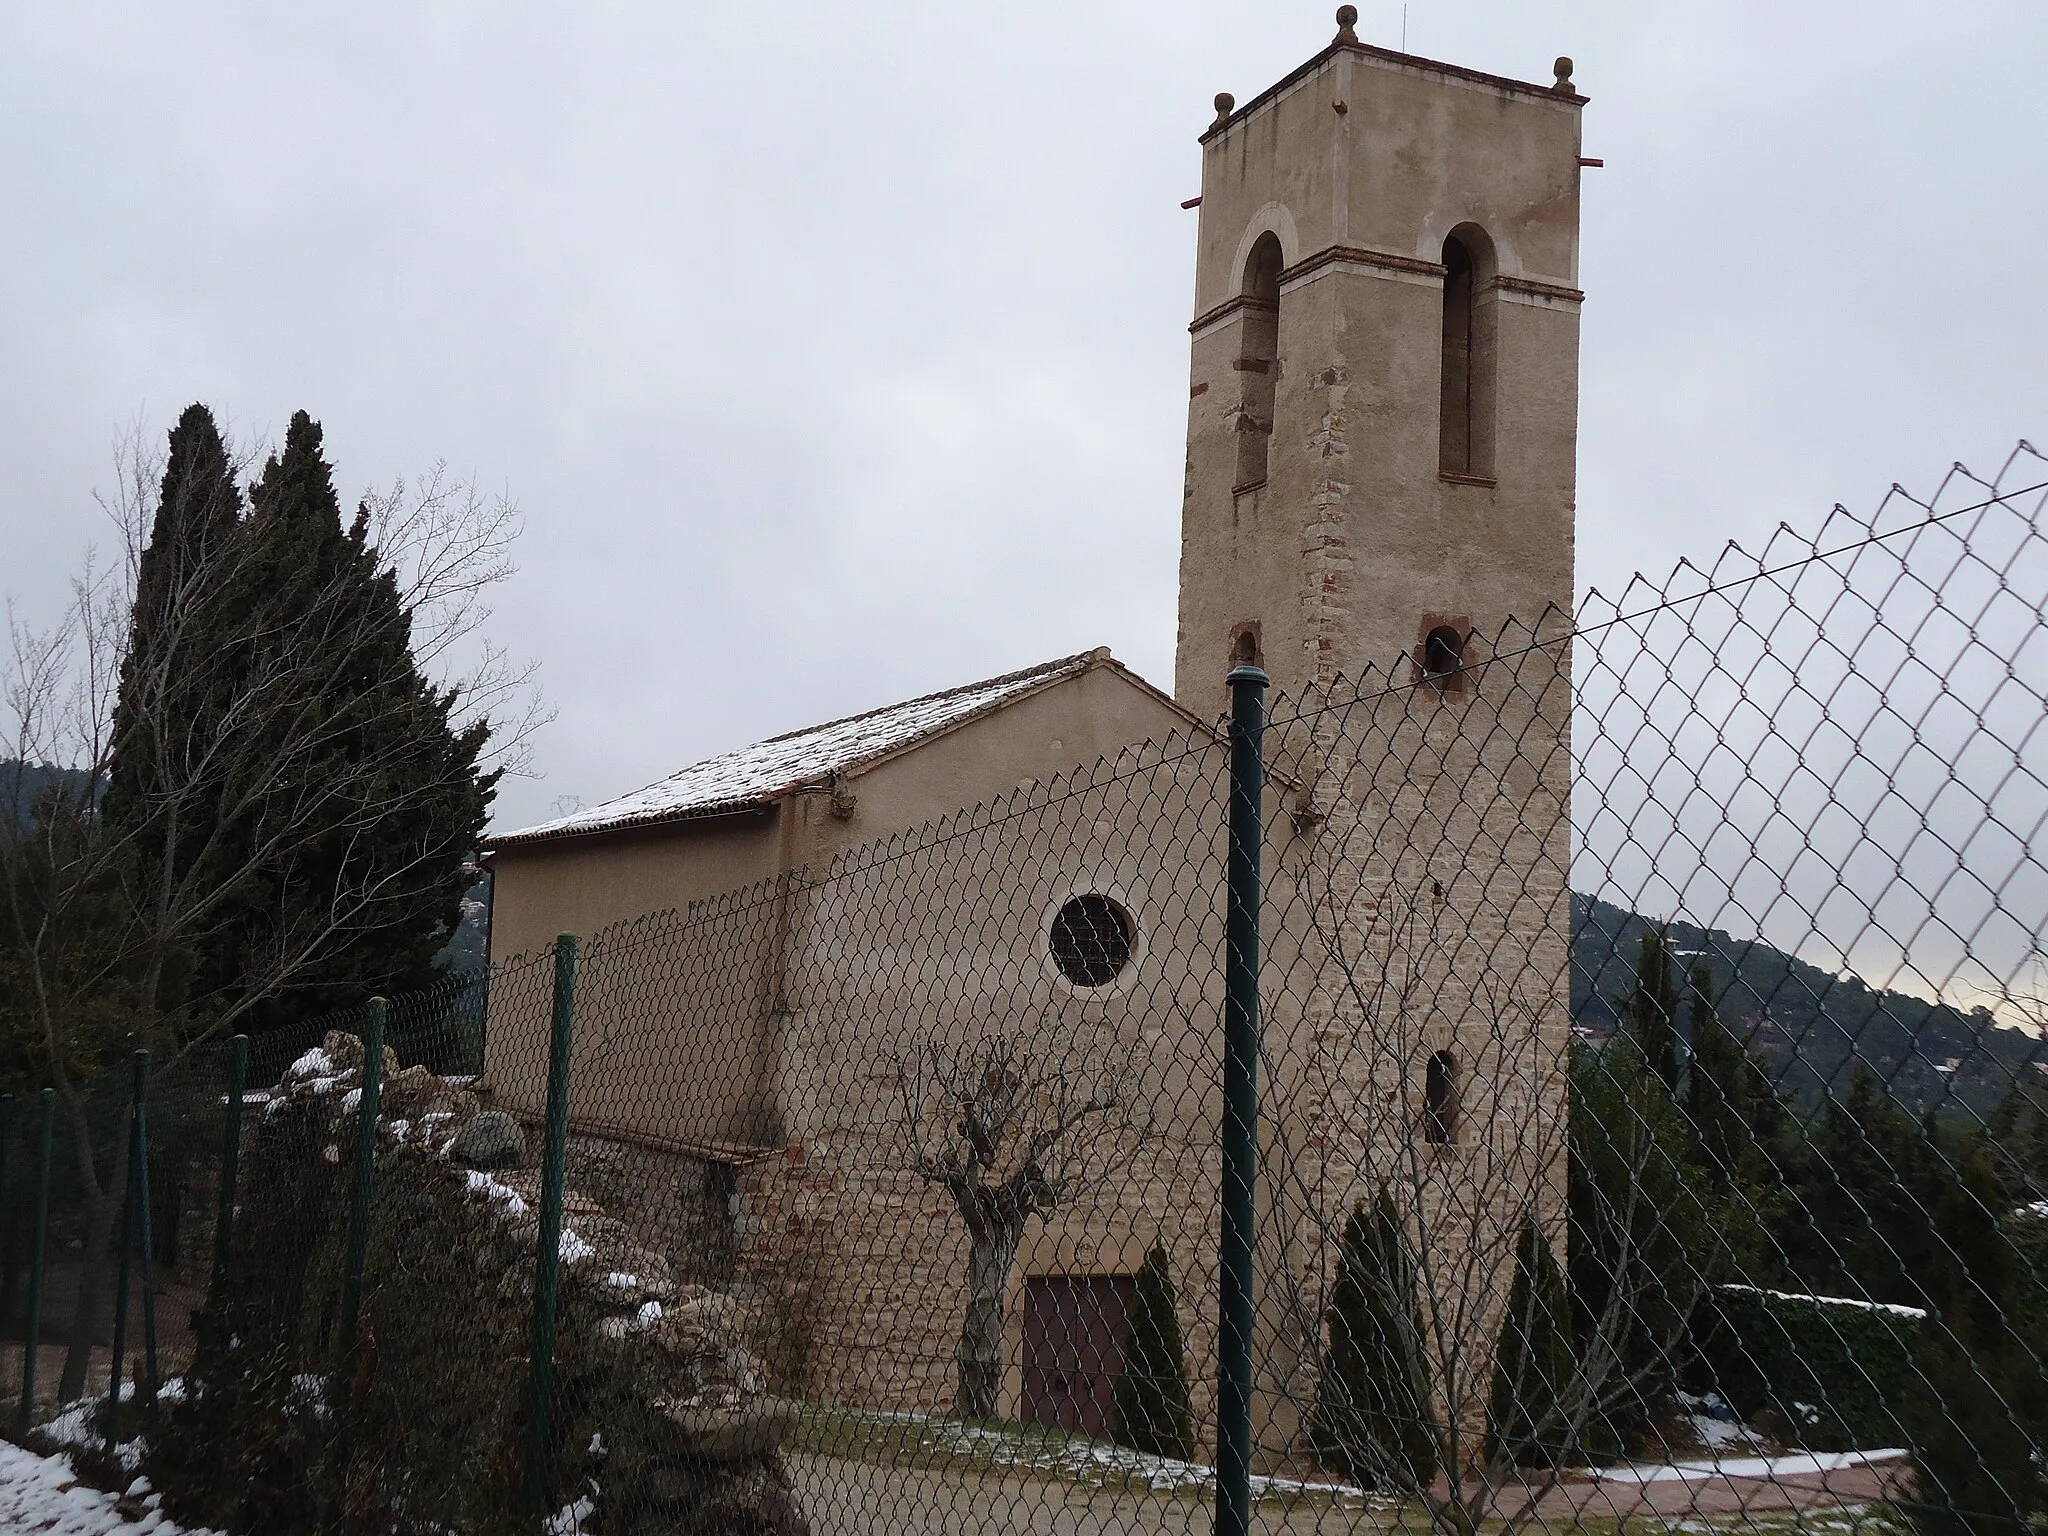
(757, 775)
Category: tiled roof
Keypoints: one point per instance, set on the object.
(768, 770)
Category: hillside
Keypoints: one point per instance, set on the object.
(1810, 1025)
(21, 783)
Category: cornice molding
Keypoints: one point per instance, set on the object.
(1362, 256)
(1536, 290)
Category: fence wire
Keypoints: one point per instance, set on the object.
(1652, 1126)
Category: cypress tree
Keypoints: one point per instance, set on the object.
(1151, 1396)
(1374, 1419)
(401, 800)
(1533, 1364)
(1651, 1012)
(1978, 1418)
(1862, 1223)
(1719, 1084)
(177, 686)
(1641, 1223)
(170, 679)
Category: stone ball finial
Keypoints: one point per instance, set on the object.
(1225, 104)
(1563, 70)
(1347, 21)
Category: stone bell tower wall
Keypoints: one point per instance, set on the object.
(1356, 529)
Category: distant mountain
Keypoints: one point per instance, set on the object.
(1810, 1025)
(21, 783)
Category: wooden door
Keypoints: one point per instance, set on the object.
(1075, 1327)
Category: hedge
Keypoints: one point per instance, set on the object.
(1840, 1372)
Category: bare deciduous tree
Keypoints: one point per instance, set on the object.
(1011, 1137)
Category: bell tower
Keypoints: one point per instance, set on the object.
(1383, 403)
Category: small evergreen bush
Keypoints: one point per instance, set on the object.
(1151, 1396)
(1533, 1366)
(1374, 1420)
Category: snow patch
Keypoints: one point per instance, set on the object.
(1717, 1425)
(1806, 1463)
(41, 1493)
(1831, 1301)
(312, 1391)
(573, 1249)
(315, 1063)
(483, 1184)
(1099, 1465)
(568, 1520)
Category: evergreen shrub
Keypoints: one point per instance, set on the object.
(1840, 1372)
(1374, 1420)
(1527, 1420)
(1151, 1396)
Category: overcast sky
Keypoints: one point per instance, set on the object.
(838, 353)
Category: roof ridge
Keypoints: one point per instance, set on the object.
(1044, 668)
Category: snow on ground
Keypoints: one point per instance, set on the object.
(1718, 1427)
(1804, 1464)
(40, 1494)
(1092, 1463)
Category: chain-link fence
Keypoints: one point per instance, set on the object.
(1582, 1074)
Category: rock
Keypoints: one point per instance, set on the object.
(599, 1169)
(751, 1428)
(405, 1094)
(345, 1051)
(706, 1311)
(491, 1139)
(674, 1424)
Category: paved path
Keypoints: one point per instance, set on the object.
(859, 1498)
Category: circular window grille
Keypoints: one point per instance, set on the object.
(1091, 940)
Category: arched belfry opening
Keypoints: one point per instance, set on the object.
(1465, 444)
(1258, 359)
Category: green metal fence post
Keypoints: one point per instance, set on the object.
(230, 1168)
(8, 1236)
(548, 1258)
(129, 1183)
(146, 1382)
(34, 1338)
(359, 1187)
(1240, 1102)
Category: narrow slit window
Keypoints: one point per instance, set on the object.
(1440, 1099)
(1456, 448)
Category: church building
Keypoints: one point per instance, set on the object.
(1381, 448)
